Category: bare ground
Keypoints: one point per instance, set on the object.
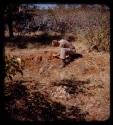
(80, 91)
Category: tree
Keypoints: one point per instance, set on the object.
(10, 11)
(18, 13)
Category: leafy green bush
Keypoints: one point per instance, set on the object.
(13, 66)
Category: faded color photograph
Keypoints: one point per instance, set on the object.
(57, 62)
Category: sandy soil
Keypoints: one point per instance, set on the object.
(82, 88)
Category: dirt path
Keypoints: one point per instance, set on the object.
(84, 83)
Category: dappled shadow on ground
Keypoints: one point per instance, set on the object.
(14, 96)
(22, 104)
(72, 86)
(15, 90)
(43, 109)
(22, 41)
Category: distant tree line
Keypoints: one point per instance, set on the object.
(89, 21)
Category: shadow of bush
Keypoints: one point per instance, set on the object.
(43, 109)
(14, 92)
(72, 86)
(37, 106)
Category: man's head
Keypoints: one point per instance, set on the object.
(55, 43)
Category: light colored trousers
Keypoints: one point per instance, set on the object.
(66, 52)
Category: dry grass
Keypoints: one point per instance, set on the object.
(81, 90)
(83, 86)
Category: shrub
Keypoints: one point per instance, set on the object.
(13, 66)
(91, 24)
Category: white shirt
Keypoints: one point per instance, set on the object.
(65, 44)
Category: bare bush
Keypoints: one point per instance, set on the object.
(90, 23)
(13, 66)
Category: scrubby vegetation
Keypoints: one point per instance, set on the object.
(36, 89)
(13, 66)
(87, 24)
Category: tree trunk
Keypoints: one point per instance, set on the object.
(10, 26)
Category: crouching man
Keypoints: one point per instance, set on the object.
(67, 50)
